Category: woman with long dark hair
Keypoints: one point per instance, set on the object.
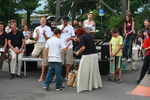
(128, 37)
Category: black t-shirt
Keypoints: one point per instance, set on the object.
(2, 39)
(87, 40)
(16, 40)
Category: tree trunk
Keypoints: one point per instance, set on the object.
(74, 9)
(57, 9)
(28, 18)
(124, 7)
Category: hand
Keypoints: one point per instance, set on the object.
(46, 58)
(68, 39)
(69, 43)
(112, 54)
(44, 31)
(125, 34)
(77, 53)
(75, 39)
(21, 49)
(37, 32)
(16, 51)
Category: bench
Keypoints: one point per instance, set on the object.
(29, 59)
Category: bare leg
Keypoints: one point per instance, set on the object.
(67, 70)
(43, 72)
(113, 76)
(119, 74)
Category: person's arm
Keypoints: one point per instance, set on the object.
(72, 35)
(124, 29)
(44, 34)
(148, 48)
(118, 49)
(141, 42)
(145, 45)
(80, 50)
(36, 34)
(23, 44)
(5, 44)
(46, 52)
(94, 24)
(66, 48)
(71, 38)
(82, 45)
(132, 29)
(11, 46)
(84, 22)
(110, 50)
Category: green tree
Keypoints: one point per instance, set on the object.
(136, 4)
(8, 10)
(29, 6)
(51, 7)
(141, 16)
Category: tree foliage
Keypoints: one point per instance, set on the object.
(141, 16)
(29, 6)
(8, 10)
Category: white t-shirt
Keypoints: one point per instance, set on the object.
(55, 45)
(41, 29)
(26, 33)
(67, 32)
(89, 25)
(7, 29)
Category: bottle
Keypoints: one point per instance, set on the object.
(123, 66)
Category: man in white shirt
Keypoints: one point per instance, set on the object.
(41, 34)
(53, 48)
(67, 36)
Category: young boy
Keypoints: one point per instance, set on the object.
(139, 42)
(115, 48)
(53, 54)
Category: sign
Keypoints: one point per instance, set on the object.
(101, 12)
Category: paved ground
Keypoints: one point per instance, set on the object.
(29, 89)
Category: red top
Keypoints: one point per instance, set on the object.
(146, 44)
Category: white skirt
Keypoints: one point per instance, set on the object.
(88, 73)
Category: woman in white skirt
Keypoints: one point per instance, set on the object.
(88, 74)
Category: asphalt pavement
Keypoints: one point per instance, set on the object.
(30, 89)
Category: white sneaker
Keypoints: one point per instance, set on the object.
(129, 60)
(124, 59)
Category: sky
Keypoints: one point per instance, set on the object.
(43, 3)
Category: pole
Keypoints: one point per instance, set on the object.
(57, 9)
(101, 22)
(129, 5)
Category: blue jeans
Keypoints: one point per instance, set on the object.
(127, 47)
(54, 68)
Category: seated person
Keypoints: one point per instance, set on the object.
(3, 44)
(16, 43)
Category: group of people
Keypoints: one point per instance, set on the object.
(121, 48)
(56, 49)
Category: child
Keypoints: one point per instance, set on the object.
(139, 42)
(53, 54)
(115, 48)
(146, 63)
